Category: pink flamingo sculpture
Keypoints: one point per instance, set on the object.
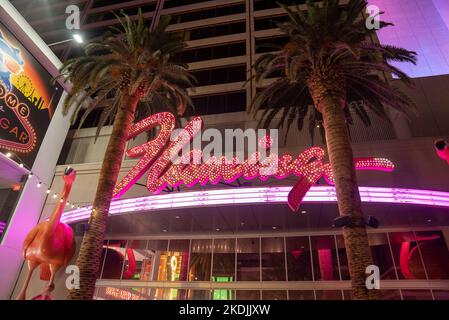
(50, 244)
(442, 149)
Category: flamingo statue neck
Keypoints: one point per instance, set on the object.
(69, 177)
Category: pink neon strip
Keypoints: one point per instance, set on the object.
(224, 197)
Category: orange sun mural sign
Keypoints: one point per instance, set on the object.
(28, 99)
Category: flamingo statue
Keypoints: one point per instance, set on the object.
(50, 244)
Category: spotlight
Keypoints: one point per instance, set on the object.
(55, 196)
(21, 165)
(39, 184)
(48, 191)
(9, 155)
(30, 175)
(341, 222)
(78, 38)
(372, 222)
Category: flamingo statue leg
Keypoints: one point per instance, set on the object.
(32, 265)
(50, 285)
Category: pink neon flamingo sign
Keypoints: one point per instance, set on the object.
(156, 158)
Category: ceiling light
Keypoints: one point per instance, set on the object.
(78, 38)
(9, 154)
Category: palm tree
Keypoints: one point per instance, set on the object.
(131, 70)
(328, 61)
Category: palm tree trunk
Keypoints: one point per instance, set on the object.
(349, 203)
(89, 256)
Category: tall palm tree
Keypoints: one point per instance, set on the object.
(130, 70)
(330, 59)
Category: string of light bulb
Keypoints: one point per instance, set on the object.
(40, 183)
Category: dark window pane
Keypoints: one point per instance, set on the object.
(219, 103)
(325, 263)
(274, 295)
(270, 44)
(381, 253)
(200, 260)
(247, 295)
(301, 295)
(328, 295)
(441, 294)
(273, 259)
(406, 256)
(417, 295)
(299, 264)
(114, 259)
(434, 253)
(248, 259)
(224, 260)
(344, 267)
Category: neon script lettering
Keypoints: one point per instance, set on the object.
(159, 158)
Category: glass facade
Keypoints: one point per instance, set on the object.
(238, 268)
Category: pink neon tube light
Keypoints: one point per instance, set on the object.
(257, 196)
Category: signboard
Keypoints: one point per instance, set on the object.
(28, 99)
(159, 157)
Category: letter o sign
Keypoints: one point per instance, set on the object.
(2, 91)
(23, 110)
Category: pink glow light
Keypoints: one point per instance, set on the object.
(259, 196)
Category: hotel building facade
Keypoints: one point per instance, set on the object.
(240, 240)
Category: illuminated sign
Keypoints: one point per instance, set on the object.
(157, 158)
(27, 99)
(120, 294)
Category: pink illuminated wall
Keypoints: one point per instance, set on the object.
(421, 26)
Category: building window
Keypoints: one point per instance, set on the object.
(220, 75)
(264, 45)
(325, 263)
(299, 264)
(213, 52)
(136, 258)
(114, 257)
(200, 260)
(407, 256)
(248, 259)
(270, 4)
(178, 3)
(214, 31)
(177, 260)
(274, 295)
(247, 295)
(208, 13)
(269, 23)
(301, 295)
(273, 259)
(434, 254)
(416, 295)
(328, 295)
(223, 269)
(381, 253)
(219, 103)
